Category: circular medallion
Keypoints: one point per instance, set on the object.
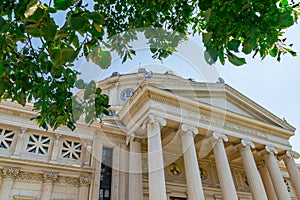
(126, 94)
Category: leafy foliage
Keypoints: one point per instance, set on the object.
(37, 55)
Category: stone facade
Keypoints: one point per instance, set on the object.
(170, 138)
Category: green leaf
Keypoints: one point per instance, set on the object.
(68, 55)
(273, 52)
(49, 32)
(206, 37)
(104, 59)
(77, 22)
(63, 4)
(235, 60)
(285, 20)
(2, 70)
(21, 98)
(33, 30)
(207, 14)
(234, 45)
(210, 56)
(80, 84)
(55, 57)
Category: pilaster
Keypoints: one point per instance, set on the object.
(48, 180)
(9, 174)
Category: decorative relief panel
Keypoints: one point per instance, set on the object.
(45, 177)
(6, 138)
(71, 149)
(38, 144)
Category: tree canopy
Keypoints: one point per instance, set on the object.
(37, 54)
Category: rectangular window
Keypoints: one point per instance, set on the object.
(106, 174)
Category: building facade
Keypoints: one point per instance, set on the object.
(167, 138)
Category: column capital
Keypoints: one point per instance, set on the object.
(289, 154)
(10, 172)
(84, 180)
(23, 130)
(129, 138)
(185, 128)
(218, 136)
(244, 143)
(271, 150)
(152, 119)
(49, 177)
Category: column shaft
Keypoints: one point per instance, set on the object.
(256, 186)
(294, 174)
(157, 187)
(224, 173)
(135, 171)
(193, 179)
(276, 176)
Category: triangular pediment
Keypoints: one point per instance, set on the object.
(225, 97)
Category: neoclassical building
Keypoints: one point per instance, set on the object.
(167, 138)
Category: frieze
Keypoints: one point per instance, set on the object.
(30, 177)
(68, 181)
(43, 177)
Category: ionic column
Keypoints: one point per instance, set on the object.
(157, 186)
(9, 174)
(274, 171)
(271, 194)
(223, 168)
(255, 182)
(135, 191)
(84, 182)
(20, 142)
(48, 181)
(288, 159)
(193, 179)
(55, 148)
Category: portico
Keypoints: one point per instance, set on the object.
(226, 138)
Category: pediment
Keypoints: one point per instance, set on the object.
(229, 99)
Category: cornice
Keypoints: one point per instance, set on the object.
(33, 164)
(262, 110)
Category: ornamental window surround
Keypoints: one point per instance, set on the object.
(6, 138)
(38, 144)
(71, 149)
